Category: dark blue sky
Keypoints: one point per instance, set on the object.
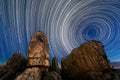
(67, 24)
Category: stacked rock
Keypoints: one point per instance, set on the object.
(38, 58)
(38, 50)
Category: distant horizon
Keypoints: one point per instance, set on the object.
(116, 65)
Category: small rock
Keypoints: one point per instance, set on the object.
(55, 66)
(51, 76)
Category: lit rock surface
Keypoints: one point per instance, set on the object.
(87, 62)
(38, 58)
(30, 74)
(38, 50)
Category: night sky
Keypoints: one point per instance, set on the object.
(67, 24)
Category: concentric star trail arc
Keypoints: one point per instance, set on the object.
(67, 24)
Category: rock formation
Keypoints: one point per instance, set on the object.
(87, 62)
(14, 66)
(38, 58)
(38, 50)
(37, 64)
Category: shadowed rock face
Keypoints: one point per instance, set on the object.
(55, 66)
(14, 66)
(17, 61)
(51, 76)
(88, 61)
(1, 66)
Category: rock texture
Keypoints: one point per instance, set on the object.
(51, 76)
(16, 62)
(38, 50)
(87, 62)
(38, 58)
(14, 66)
(116, 76)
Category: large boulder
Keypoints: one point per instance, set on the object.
(88, 61)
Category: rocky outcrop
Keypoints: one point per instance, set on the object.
(37, 64)
(14, 66)
(38, 50)
(88, 61)
(38, 58)
(16, 62)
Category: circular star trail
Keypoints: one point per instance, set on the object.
(67, 24)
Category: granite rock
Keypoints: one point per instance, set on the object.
(88, 61)
(14, 66)
(38, 58)
(38, 50)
